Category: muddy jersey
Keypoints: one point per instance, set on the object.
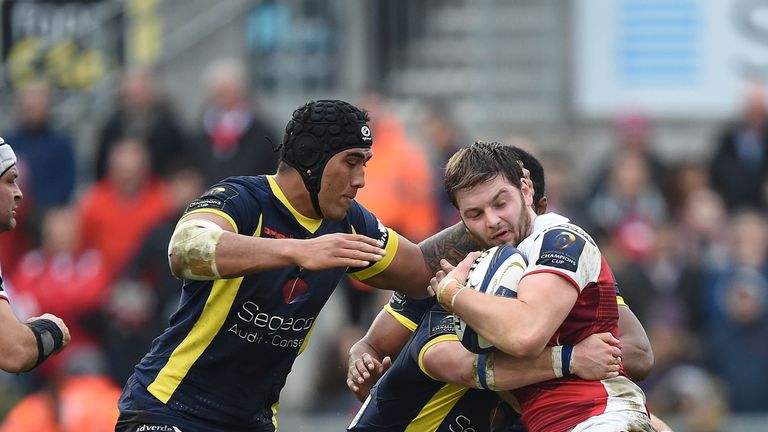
(559, 247)
(406, 398)
(232, 342)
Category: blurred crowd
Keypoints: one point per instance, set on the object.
(688, 241)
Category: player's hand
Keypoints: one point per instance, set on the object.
(597, 357)
(461, 271)
(363, 372)
(337, 250)
(63, 327)
(446, 286)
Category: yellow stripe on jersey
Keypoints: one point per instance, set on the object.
(258, 227)
(438, 407)
(310, 224)
(306, 339)
(213, 211)
(274, 414)
(209, 323)
(391, 248)
(620, 301)
(402, 319)
(442, 338)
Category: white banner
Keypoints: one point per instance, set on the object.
(670, 58)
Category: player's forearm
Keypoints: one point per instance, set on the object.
(452, 244)
(228, 256)
(18, 345)
(239, 255)
(505, 322)
(512, 372)
(385, 337)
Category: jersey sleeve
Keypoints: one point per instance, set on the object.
(436, 326)
(408, 311)
(568, 251)
(366, 223)
(232, 200)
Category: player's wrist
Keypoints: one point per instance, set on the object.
(562, 360)
(446, 292)
(483, 371)
(48, 336)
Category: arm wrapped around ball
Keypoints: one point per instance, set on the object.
(49, 338)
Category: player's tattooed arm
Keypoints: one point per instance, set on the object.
(452, 244)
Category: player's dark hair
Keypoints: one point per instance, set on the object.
(537, 173)
(479, 163)
(316, 132)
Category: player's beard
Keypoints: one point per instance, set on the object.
(523, 228)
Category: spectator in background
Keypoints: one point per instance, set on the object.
(747, 240)
(47, 162)
(739, 165)
(735, 305)
(737, 347)
(121, 209)
(64, 279)
(443, 138)
(628, 205)
(231, 139)
(141, 113)
(47, 153)
(147, 293)
(633, 135)
(688, 177)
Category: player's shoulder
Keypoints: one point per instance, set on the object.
(553, 225)
(568, 229)
(254, 184)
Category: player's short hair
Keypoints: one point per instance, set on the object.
(479, 163)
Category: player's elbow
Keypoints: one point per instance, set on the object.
(640, 362)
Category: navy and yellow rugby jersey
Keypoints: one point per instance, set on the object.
(225, 357)
(406, 398)
(408, 311)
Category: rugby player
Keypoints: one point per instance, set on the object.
(393, 327)
(566, 294)
(260, 256)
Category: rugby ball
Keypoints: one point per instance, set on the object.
(496, 272)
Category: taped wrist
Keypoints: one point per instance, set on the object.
(49, 338)
(483, 372)
(562, 360)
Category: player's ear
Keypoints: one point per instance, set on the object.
(527, 190)
(541, 205)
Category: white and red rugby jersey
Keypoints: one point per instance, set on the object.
(557, 246)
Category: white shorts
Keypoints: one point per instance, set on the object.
(616, 421)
